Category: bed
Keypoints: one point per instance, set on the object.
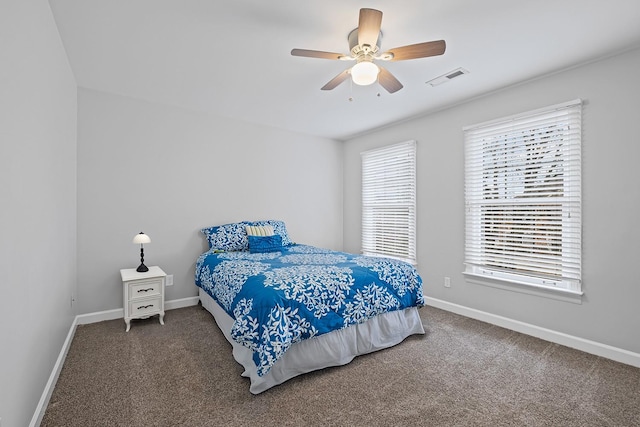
(289, 308)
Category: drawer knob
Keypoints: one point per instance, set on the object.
(145, 306)
(145, 290)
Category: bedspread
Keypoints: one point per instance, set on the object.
(279, 298)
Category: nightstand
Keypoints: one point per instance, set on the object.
(143, 294)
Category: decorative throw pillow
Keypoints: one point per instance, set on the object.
(259, 230)
(279, 228)
(261, 244)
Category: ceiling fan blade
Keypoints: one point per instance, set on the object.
(418, 50)
(388, 81)
(316, 54)
(369, 27)
(336, 80)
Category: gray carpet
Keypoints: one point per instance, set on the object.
(461, 373)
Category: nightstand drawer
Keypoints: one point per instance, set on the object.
(145, 288)
(147, 306)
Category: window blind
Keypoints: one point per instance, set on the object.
(523, 198)
(389, 201)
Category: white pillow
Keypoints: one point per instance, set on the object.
(259, 230)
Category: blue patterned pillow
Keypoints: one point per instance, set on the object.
(261, 244)
(278, 228)
(228, 237)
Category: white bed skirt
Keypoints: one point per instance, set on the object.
(332, 349)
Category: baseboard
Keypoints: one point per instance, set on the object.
(181, 303)
(100, 316)
(118, 313)
(36, 420)
(588, 346)
(84, 319)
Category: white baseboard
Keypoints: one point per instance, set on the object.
(100, 316)
(592, 347)
(181, 303)
(36, 420)
(118, 313)
(84, 319)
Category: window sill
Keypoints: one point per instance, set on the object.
(509, 285)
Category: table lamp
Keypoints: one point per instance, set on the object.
(140, 239)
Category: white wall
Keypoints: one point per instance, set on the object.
(611, 200)
(38, 196)
(170, 172)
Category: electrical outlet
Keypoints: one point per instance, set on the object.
(447, 282)
(169, 280)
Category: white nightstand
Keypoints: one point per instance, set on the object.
(143, 294)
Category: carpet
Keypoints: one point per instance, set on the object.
(462, 372)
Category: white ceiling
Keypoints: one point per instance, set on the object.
(232, 58)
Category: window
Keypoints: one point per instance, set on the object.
(523, 199)
(389, 201)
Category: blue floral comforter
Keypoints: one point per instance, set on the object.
(280, 298)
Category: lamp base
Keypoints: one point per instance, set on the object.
(142, 268)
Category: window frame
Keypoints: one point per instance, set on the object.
(558, 130)
(393, 234)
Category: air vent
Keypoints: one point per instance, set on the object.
(448, 76)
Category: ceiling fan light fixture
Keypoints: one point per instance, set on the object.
(364, 73)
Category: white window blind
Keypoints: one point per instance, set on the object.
(523, 198)
(389, 201)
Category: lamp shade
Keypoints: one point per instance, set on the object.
(141, 238)
(364, 73)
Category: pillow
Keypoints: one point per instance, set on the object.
(228, 237)
(233, 237)
(259, 230)
(261, 244)
(278, 228)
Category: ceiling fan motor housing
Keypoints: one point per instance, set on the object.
(362, 53)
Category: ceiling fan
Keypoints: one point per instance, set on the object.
(364, 45)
